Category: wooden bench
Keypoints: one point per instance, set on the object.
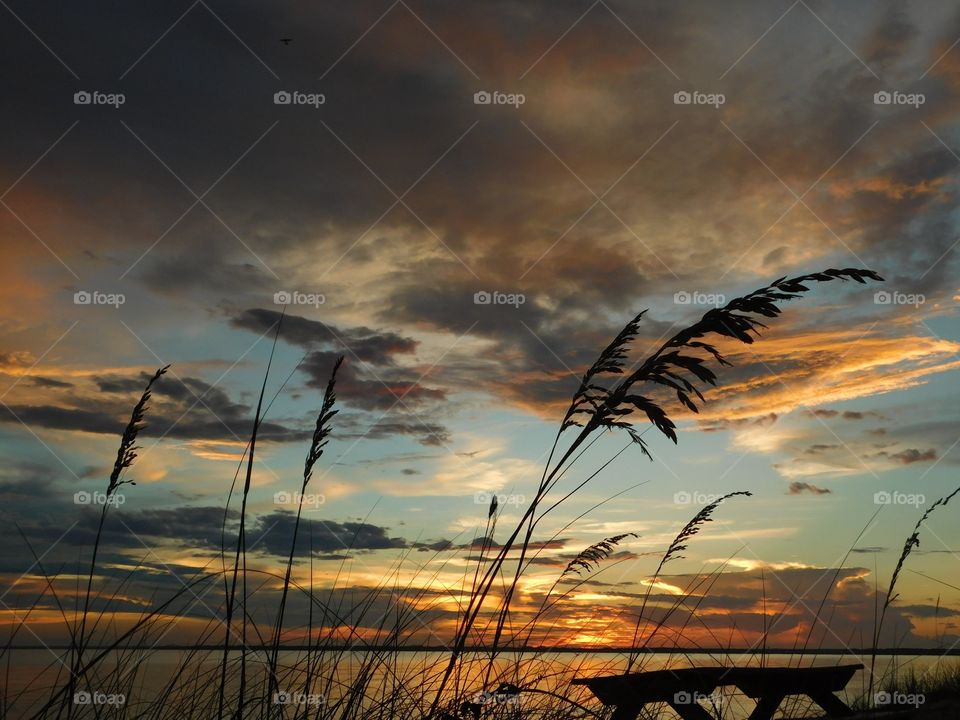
(681, 689)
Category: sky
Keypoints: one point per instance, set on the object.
(468, 201)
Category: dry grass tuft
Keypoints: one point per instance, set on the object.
(912, 542)
(590, 558)
(595, 406)
(695, 525)
(127, 451)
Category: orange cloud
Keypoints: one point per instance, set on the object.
(886, 186)
(818, 368)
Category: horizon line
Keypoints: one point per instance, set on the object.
(944, 652)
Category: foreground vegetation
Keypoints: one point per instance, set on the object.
(352, 664)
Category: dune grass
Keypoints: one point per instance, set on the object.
(350, 660)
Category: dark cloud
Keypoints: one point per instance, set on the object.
(200, 529)
(186, 408)
(116, 384)
(370, 346)
(478, 543)
(555, 544)
(820, 448)
(912, 455)
(398, 99)
(16, 358)
(928, 611)
(830, 611)
(59, 418)
(436, 546)
(51, 383)
(723, 424)
(127, 529)
(846, 414)
(274, 532)
(27, 486)
(799, 488)
(427, 433)
(366, 389)
(190, 526)
(890, 39)
(369, 379)
(204, 265)
(564, 560)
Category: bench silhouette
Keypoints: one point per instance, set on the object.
(681, 689)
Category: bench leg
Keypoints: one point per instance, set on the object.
(766, 706)
(834, 706)
(691, 711)
(626, 712)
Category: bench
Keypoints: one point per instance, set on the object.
(682, 689)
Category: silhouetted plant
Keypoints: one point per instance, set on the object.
(126, 454)
(590, 557)
(610, 396)
(677, 364)
(912, 542)
(320, 434)
(679, 544)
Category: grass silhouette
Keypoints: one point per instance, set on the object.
(352, 663)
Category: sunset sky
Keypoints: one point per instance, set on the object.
(187, 204)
